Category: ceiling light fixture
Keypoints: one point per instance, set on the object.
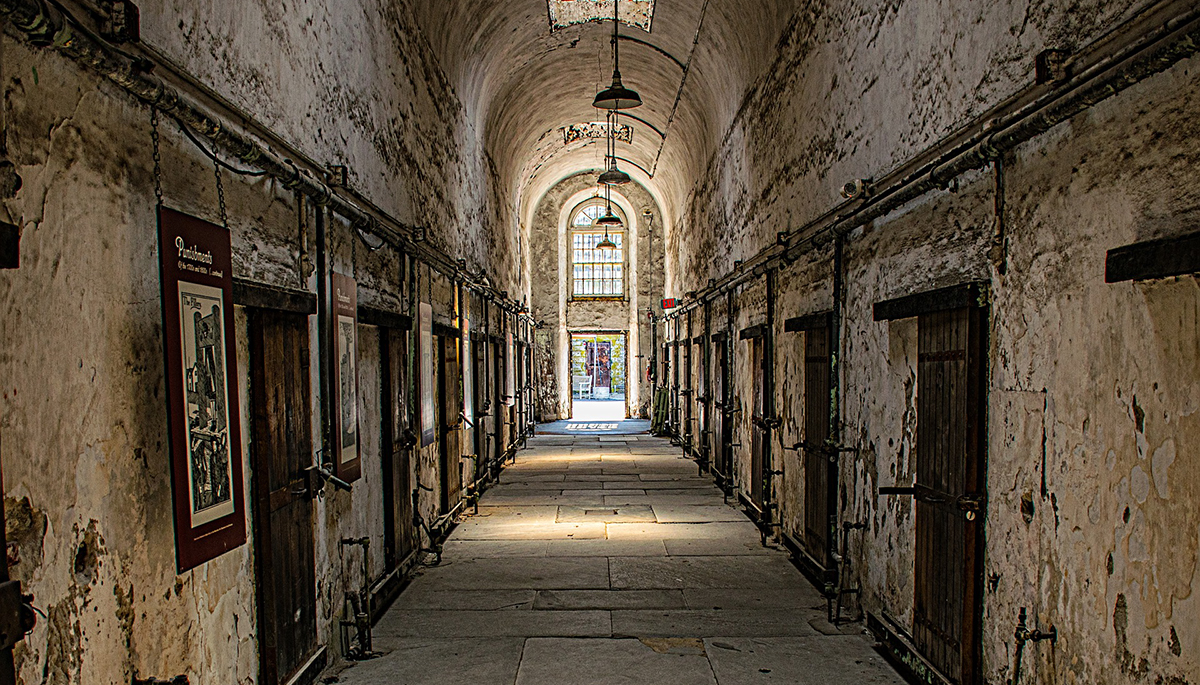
(609, 219)
(614, 176)
(616, 96)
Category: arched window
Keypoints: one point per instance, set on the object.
(596, 273)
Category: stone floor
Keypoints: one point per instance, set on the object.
(607, 560)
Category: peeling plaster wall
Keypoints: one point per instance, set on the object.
(1092, 516)
(82, 411)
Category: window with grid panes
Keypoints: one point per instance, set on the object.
(596, 272)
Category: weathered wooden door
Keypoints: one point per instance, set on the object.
(482, 406)
(398, 531)
(819, 493)
(449, 390)
(281, 448)
(722, 433)
(951, 369)
(688, 393)
(499, 410)
(758, 437)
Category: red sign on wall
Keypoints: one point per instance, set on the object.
(670, 303)
(202, 399)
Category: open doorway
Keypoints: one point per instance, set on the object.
(598, 376)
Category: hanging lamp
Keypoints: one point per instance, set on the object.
(609, 219)
(616, 96)
(614, 176)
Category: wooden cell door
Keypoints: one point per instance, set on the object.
(687, 393)
(482, 406)
(398, 533)
(450, 454)
(820, 494)
(499, 409)
(758, 436)
(281, 449)
(722, 432)
(951, 353)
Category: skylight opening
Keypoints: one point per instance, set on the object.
(564, 13)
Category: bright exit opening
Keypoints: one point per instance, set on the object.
(598, 376)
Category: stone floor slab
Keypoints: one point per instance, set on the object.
(558, 573)
(612, 662)
(707, 623)
(609, 599)
(454, 624)
(843, 660)
(432, 661)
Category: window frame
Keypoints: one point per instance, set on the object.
(618, 235)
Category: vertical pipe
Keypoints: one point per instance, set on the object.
(323, 331)
(768, 416)
(835, 372)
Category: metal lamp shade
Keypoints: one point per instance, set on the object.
(614, 176)
(609, 219)
(617, 96)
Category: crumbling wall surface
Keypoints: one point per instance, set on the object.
(1097, 407)
(353, 83)
(82, 408)
(1091, 518)
(856, 88)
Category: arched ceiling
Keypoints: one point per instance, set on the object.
(521, 82)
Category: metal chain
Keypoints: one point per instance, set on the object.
(158, 191)
(221, 196)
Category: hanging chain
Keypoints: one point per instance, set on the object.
(158, 191)
(221, 197)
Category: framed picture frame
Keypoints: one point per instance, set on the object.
(510, 369)
(347, 458)
(426, 386)
(200, 354)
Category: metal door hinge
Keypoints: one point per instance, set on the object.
(16, 614)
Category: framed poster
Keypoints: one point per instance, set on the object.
(202, 402)
(468, 370)
(344, 377)
(510, 370)
(425, 346)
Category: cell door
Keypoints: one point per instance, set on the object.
(758, 437)
(398, 531)
(482, 407)
(281, 449)
(722, 434)
(951, 409)
(687, 393)
(449, 392)
(499, 410)
(819, 480)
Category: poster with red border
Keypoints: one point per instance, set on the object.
(425, 387)
(195, 262)
(344, 377)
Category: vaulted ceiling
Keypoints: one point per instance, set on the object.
(522, 81)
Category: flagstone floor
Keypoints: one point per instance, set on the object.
(607, 560)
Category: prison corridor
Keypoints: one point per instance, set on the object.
(606, 559)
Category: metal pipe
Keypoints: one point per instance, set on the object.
(769, 418)
(324, 347)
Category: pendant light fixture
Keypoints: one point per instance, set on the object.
(616, 96)
(609, 219)
(614, 176)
